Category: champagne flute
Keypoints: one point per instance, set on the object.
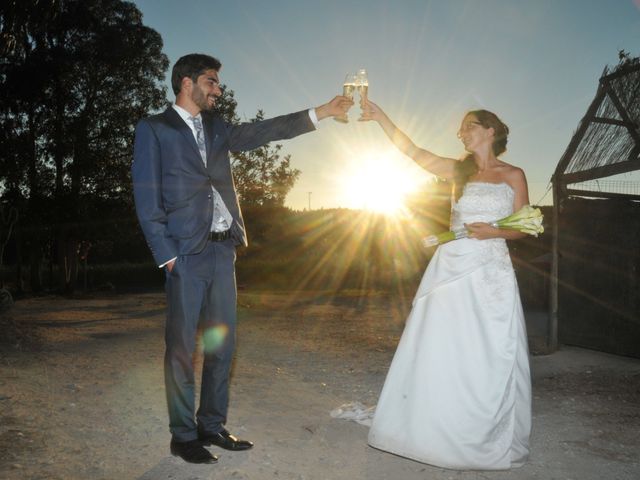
(362, 84)
(348, 88)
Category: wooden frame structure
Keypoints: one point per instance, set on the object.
(606, 143)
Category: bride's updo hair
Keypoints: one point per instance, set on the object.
(466, 168)
(490, 120)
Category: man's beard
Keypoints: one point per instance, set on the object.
(200, 99)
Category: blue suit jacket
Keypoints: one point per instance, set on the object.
(172, 186)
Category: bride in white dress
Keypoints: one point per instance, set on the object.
(458, 392)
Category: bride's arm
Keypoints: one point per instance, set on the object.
(440, 166)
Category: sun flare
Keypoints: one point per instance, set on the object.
(379, 182)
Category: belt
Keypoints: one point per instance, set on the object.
(220, 236)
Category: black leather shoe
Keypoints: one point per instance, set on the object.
(192, 452)
(224, 440)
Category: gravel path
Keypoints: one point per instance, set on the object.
(90, 402)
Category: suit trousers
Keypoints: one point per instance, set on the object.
(201, 291)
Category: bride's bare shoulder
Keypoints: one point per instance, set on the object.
(511, 173)
(516, 179)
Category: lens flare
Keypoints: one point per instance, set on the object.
(213, 338)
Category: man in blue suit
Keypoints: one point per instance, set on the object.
(188, 210)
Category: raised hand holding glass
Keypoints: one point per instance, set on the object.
(348, 88)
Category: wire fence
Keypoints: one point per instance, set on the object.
(609, 186)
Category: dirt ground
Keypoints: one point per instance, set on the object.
(89, 402)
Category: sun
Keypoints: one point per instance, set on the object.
(380, 182)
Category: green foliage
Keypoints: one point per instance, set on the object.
(333, 250)
(75, 76)
(226, 106)
(262, 176)
(71, 95)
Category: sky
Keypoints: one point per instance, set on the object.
(535, 63)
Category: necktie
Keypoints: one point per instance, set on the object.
(221, 217)
(197, 124)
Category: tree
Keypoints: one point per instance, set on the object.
(263, 178)
(76, 76)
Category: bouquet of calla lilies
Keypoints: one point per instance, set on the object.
(526, 220)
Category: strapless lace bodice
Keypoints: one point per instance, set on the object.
(486, 202)
(482, 202)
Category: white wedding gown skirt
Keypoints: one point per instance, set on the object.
(458, 392)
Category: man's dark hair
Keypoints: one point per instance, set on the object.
(192, 66)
